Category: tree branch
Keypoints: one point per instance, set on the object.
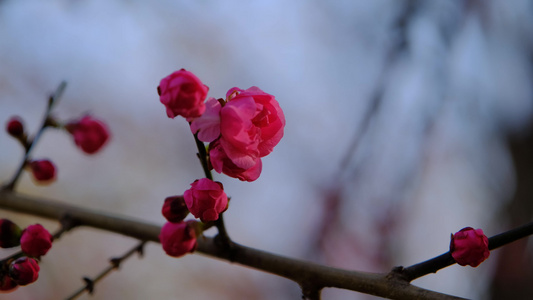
(305, 273)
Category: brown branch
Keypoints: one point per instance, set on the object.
(306, 274)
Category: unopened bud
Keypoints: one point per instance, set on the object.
(24, 270)
(174, 209)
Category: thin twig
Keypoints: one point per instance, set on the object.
(444, 260)
(114, 265)
(54, 98)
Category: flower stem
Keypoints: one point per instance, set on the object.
(222, 236)
(202, 156)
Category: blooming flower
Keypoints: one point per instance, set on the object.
(9, 234)
(469, 246)
(35, 240)
(14, 127)
(24, 270)
(183, 94)
(89, 134)
(43, 171)
(251, 125)
(178, 239)
(174, 209)
(268, 120)
(206, 199)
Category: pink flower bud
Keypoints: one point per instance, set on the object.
(174, 209)
(9, 234)
(179, 238)
(7, 285)
(469, 246)
(206, 199)
(89, 134)
(35, 240)
(183, 94)
(14, 127)
(43, 171)
(24, 270)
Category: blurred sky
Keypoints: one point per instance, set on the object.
(426, 91)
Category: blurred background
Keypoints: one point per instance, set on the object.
(406, 121)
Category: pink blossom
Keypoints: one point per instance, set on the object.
(36, 240)
(208, 124)
(89, 134)
(240, 138)
(206, 199)
(174, 209)
(24, 270)
(183, 94)
(178, 239)
(223, 164)
(267, 121)
(251, 125)
(469, 246)
(43, 171)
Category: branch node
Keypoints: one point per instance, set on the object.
(140, 249)
(89, 285)
(310, 291)
(115, 262)
(399, 274)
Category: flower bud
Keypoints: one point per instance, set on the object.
(43, 171)
(35, 240)
(9, 234)
(179, 238)
(206, 199)
(182, 93)
(174, 209)
(24, 270)
(89, 134)
(7, 285)
(14, 127)
(469, 246)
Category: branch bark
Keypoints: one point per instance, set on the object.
(305, 273)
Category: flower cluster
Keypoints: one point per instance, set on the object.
(469, 246)
(205, 199)
(22, 268)
(89, 134)
(241, 129)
